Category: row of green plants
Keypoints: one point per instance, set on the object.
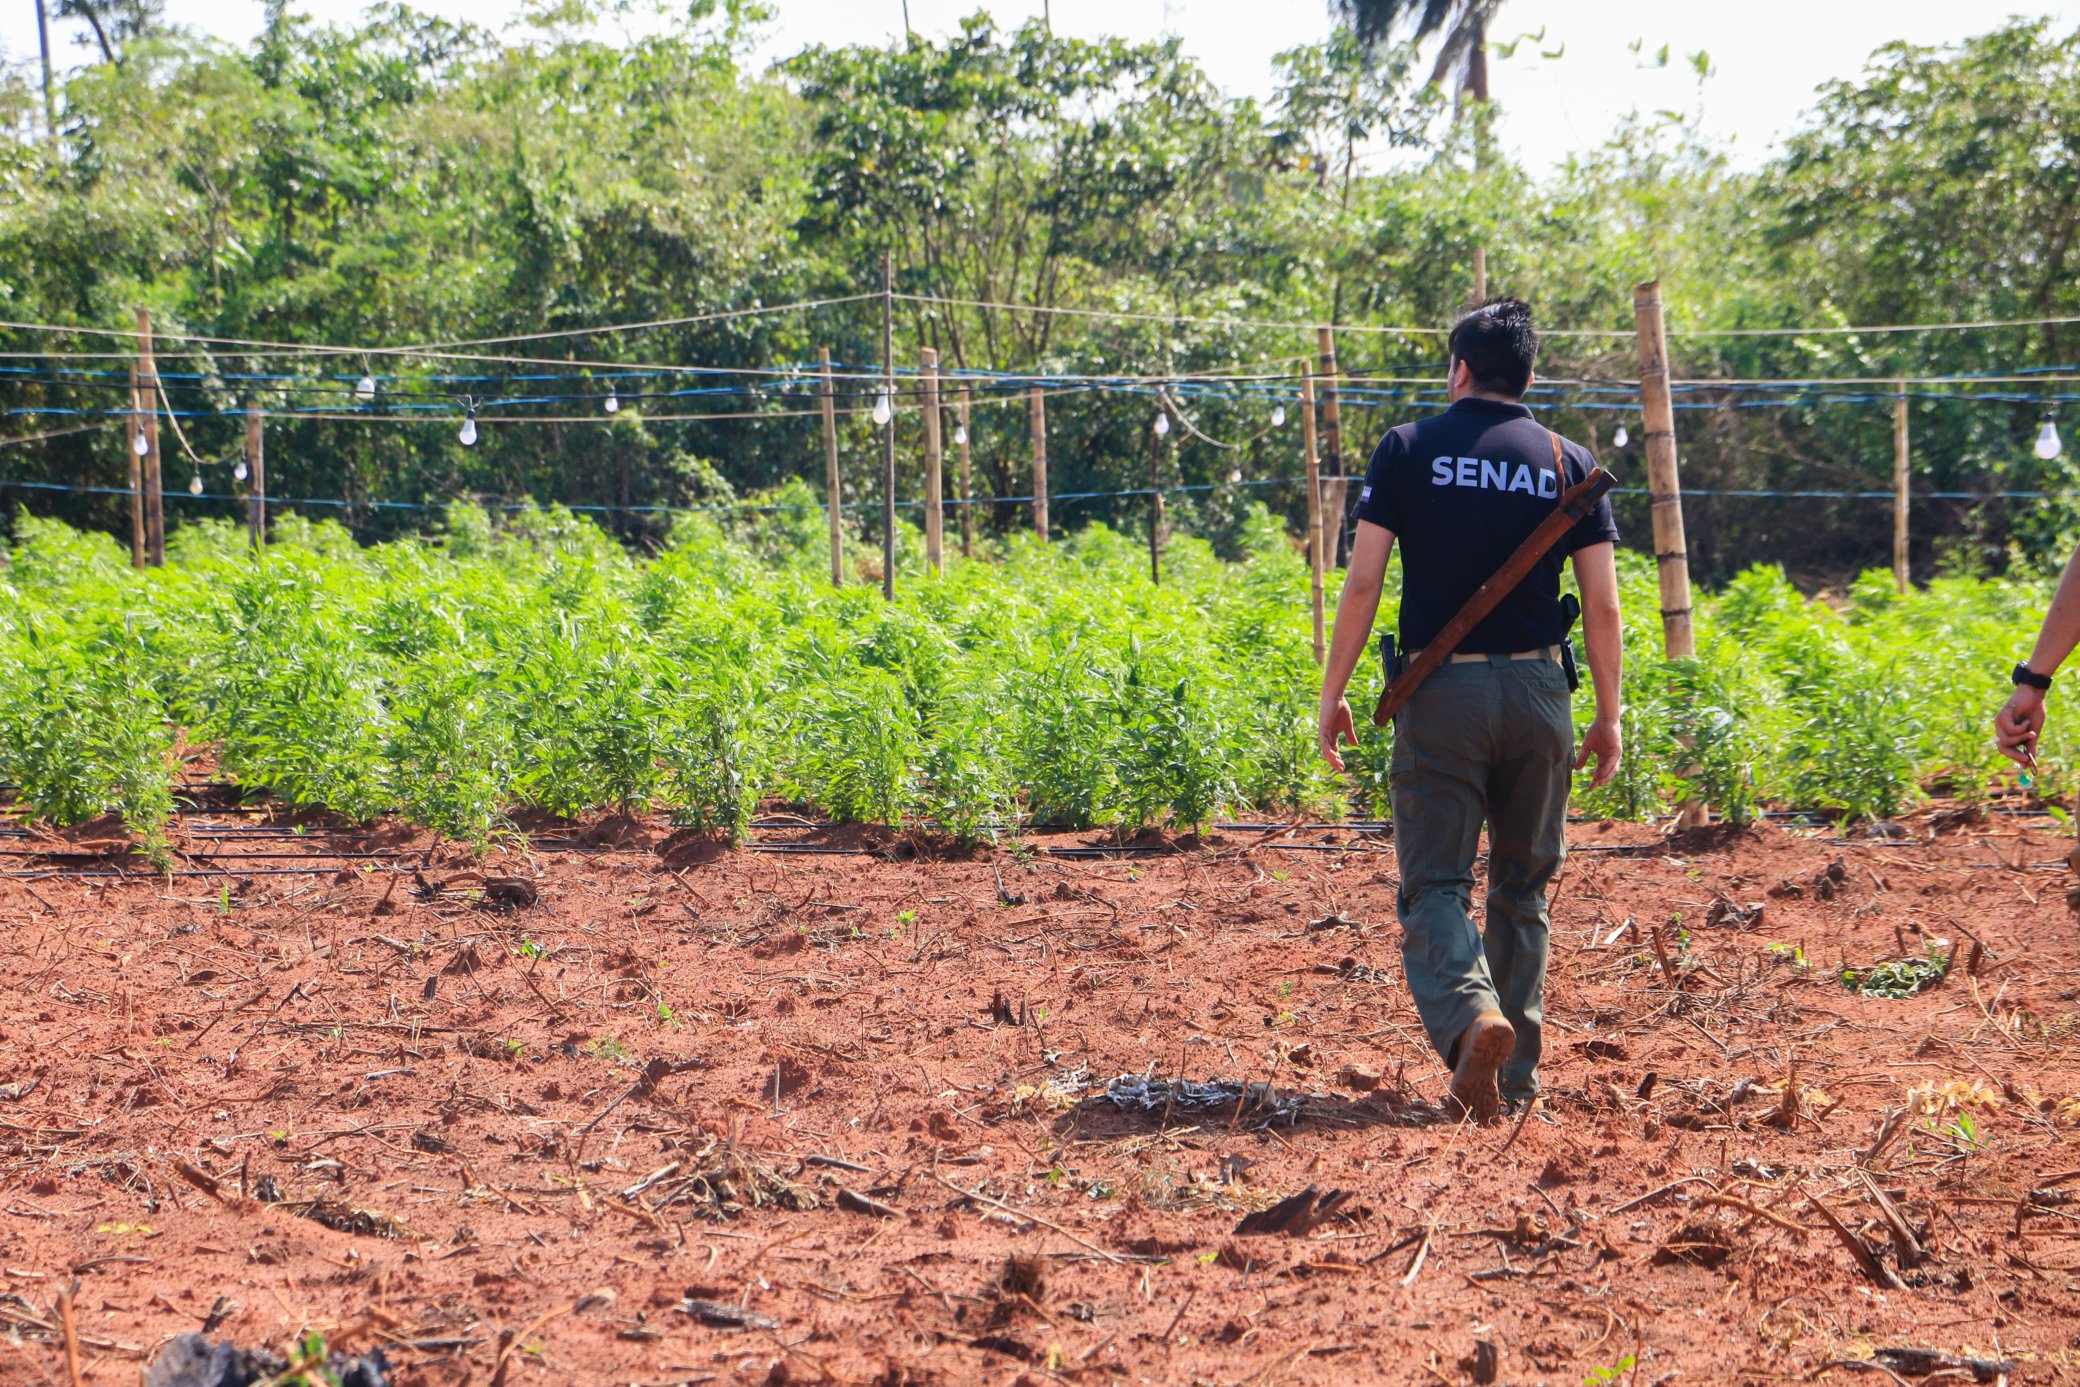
(536, 664)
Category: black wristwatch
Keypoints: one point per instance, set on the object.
(2025, 675)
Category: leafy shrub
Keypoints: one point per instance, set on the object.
(450, 750)
(82, 730)
(712, 766)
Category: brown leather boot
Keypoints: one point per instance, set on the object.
(1484, 1047)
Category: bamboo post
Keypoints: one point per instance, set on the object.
(1314, 509)
(1040, 463)
(1480, 274)
(1332, 447)
(256, 473)
(135, 427)
(1665, 492)
(832, 494)
(888, 430)
(154, 491)
(154, 495)
(1664, 483)
(1155, 498)
(960, 447)
(1900, 489)
(934, 468)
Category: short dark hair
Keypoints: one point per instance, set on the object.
(1497, 342)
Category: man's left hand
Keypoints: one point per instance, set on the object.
(2019, 723)
(1335, 725)
(1607, 745)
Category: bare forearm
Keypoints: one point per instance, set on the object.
(2061, 629)
(1603, 633)
(1603, 626)
(1356, 609)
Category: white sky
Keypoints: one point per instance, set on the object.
(1769, 54)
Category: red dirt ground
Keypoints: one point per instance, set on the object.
(558, 1125)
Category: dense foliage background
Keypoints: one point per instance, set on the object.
(409, 180)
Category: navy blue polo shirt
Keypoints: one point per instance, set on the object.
(1461, 490)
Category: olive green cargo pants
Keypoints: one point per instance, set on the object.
(1488, 740)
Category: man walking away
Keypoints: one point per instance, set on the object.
(1486, 739)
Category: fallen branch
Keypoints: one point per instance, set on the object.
(982, 1198)
(858, 1203)
(201, 1180)
(1522, 1118)
(1864, 1364)
(1669, 1188)
(69, 1326)
(1661, 955)
(1906, 1248)
(1893, 1124)
(510, 1341)
(1727, 1201)
(1415, 1263)
(1865, 1258)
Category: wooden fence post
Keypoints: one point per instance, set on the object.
(1332, 447)
(1040, 463)
(1900, 489)
(1480, 274)
(256, 473)
(888, 430)
(1665, 492)
(154, 491)
(1314, 508)
(1664, 482)
(1155, 495)
(133, 431)
(833, 495)
(934, 468)
(960, 445)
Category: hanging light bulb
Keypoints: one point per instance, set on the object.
(1620, 438)
(613, 405)
(140, 445)
(884, 407)
(2048, 446)
(238, 472)
(365, 389)
(1278, 416)
(960, 434)
(1162, 425)
(195, 485)
(469, 427)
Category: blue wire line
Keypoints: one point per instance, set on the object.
(184, 495)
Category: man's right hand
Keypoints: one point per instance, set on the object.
(1336, 722)
(2020, 720)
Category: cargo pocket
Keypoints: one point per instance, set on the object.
(1551, 706)
(1402, 762)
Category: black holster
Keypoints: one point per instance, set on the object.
(1571, 609)
(1390, 657)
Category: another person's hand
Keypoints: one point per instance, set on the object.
(1604, 742)
(2016, 726)
(1336, 722)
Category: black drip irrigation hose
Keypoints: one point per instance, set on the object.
(69, 875)
(232, 833)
